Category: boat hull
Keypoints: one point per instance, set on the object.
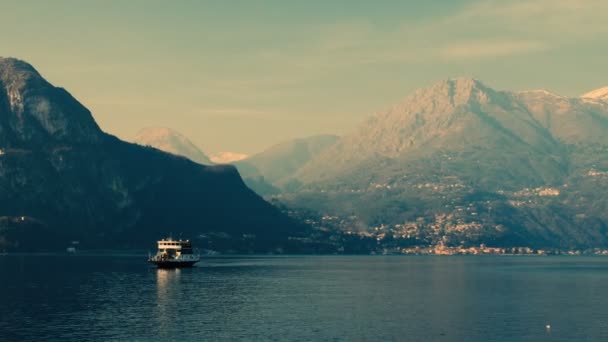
(173, 263)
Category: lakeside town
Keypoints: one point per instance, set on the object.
(460, 232)
(485, 250)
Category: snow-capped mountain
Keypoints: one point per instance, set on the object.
(597, 94)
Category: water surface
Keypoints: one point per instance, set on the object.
(305, 298)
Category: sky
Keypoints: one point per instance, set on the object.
(241, 76)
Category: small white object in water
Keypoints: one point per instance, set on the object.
(548, 327)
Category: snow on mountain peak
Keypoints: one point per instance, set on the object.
(227, 157)
(540, 92)
(598, 94)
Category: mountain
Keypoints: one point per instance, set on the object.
(39, 112)
(63, 179)
(467, 163)
(598, 94)
(570, 121)
(169, 140)
(227, 157)
(464, 116)
(451, 116)
(281, 161)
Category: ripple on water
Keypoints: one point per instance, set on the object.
(305, 298)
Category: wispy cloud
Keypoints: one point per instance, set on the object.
(233, 112)
(87, 68)
(560, 19)
(485, 29)
(324, 55)
(489, 49)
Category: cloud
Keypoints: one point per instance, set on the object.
(87, 68)
(241, 113)
(482, 30)
(275, 75)
(561, 19)
(489, 49)
(233, 112)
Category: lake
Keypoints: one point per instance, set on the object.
(305, 298)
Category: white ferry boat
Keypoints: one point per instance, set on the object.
(174, 253)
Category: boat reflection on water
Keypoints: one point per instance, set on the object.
(166, 280)
(166, 276)
(167, 288)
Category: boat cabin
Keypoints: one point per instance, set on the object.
(174, 248)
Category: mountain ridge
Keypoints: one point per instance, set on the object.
(63, 180)
(280, 161)
(463, 114)
(459, 163)
(597, 94)
(41, 112)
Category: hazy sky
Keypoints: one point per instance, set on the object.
(243, 75)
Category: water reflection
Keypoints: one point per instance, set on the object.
(306, 298)
(164, 279)
(167, 284)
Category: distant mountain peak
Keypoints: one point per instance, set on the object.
(172, 141)
(156, 132)
(465, 82)
(281, 161)
(597, 94)
(452, 92)
(458, 85)
(227, 157)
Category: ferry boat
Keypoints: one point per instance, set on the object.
(174, 253)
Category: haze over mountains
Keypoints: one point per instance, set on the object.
(63, 179)
(528, 131)
(169, 140)
(457, 163)
(263, 172)
(460, 162)
(280, 162)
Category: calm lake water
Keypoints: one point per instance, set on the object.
(305, 298)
